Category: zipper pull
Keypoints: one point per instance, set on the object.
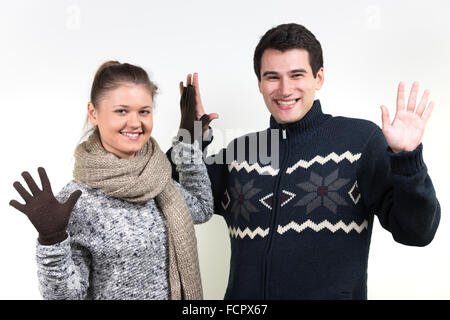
(284, 134)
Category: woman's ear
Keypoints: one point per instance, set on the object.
(92, 113)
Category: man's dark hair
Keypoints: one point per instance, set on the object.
(289, 36)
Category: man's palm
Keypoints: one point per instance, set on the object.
(406, 131)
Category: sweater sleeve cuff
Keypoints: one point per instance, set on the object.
(51, 258)
(407, 163)
(186, 153)
(57, 247)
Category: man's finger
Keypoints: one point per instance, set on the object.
(197, 88)
(385, 118)
(30, 182)
(189, 79)
(422, 103)
(412, 97)
(199, 104)
(206, 119)
(427, 113)
(213, 116)
(195, 82)
(401, 97)
(181, 87)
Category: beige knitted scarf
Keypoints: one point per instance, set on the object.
(147, 176)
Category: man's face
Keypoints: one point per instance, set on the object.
(287, 83)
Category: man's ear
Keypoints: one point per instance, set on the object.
(259, 85)
(92, 113)
(319, 78)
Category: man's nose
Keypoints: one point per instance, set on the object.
(285, 87)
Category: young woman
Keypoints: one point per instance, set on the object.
(122, 228)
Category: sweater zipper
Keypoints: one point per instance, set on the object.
(276, 208)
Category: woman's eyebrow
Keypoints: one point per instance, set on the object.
(127, 107)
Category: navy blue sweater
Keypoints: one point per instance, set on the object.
(302, 229)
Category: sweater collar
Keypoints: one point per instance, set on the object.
(312, 119)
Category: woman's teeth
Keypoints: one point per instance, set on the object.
(132, 135)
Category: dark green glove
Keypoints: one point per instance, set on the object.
(49, 217)
(189, 114)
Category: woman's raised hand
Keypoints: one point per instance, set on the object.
(197, 108)
(49, 217)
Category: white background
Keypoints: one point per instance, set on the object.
(50, 51)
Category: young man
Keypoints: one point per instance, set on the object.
(301, 229)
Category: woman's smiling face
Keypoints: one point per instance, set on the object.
(124, 119)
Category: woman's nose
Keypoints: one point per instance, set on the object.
(133, 119)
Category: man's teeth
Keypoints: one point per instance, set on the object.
(133, 135)
(285, 103)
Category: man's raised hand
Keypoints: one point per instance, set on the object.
(406, 131)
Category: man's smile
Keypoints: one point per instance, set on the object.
(286, 104)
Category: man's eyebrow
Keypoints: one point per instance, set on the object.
(298, 71)
(270, 73)
(267, 73)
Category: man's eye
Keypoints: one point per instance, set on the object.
(121, 111)
(146, 112)
(297, 75)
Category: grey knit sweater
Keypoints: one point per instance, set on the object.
(117, 249)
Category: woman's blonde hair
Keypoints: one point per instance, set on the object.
(111, 75)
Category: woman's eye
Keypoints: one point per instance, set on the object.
(146, 112)
(121, 111)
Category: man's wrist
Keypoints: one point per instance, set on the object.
(407, 162)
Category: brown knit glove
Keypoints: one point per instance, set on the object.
(49, 217)
(189, 114)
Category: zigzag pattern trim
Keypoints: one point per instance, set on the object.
(247, 232)
(322, 160)
(324, 224)
(255, 166)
